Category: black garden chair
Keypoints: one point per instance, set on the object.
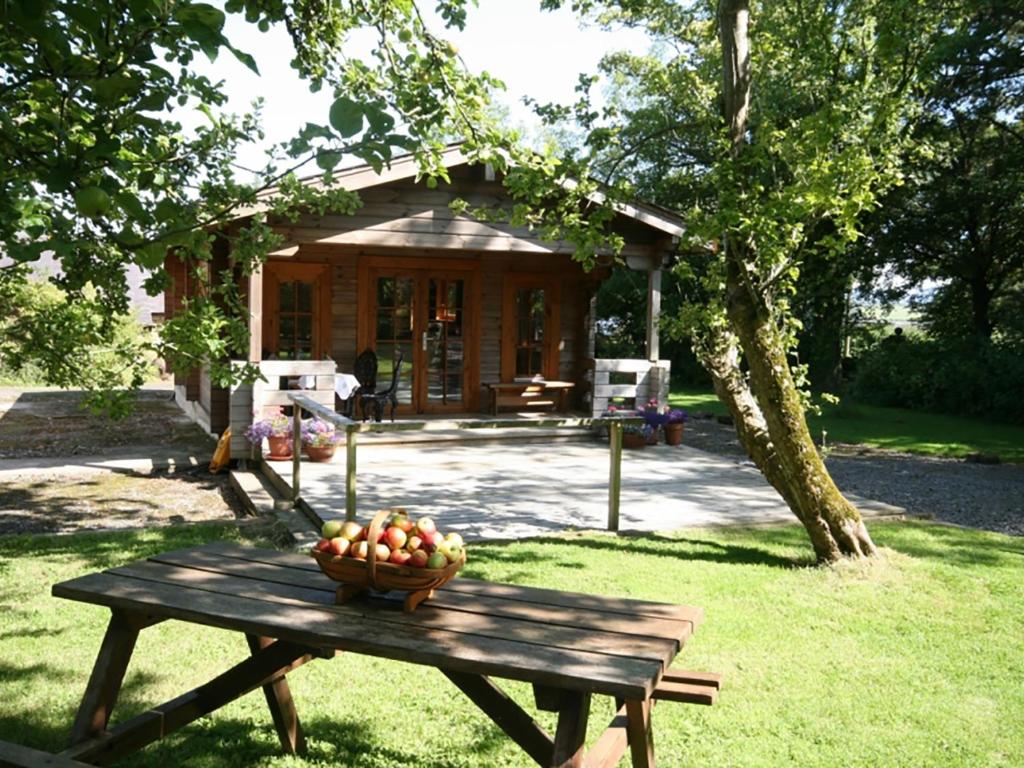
(372, 403)
(365, 372)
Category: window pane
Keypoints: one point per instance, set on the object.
(385, 292)
(286, 340)
(305, 297)
(403, 323)
(286, 297)
(305, 332)
(522, 362)
(535, 361)
(385, 325)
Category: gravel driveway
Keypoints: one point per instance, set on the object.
(951, 490)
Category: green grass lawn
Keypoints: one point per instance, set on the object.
(912, 661)
(893, 428)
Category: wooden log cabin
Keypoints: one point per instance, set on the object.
(466, 303)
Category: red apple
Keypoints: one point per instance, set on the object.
(359, 550)
(425, 525)
(431, 540)
(418, 559)
(395, 537)
(436, 561)
(413, 543)
(399, 557)
(383, 553)
(401, 521)
(339, 546)
(322, 545)
(351, 530)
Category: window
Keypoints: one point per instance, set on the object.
(531, 328)
(295, 318)
(529, 308)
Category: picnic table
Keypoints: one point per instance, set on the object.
(570, 646)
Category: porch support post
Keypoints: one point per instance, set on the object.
(614, 474)
(254, 291)
(351, 431)
(653, 312)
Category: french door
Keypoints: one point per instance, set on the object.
(426, 315)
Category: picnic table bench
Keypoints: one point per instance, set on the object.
(570, 646)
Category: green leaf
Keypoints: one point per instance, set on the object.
(346, 116)
(328, 160)
(166, 209)
(380, 121)
(245, 58)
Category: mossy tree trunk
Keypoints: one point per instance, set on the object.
(764, 402)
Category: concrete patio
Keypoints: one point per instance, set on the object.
(509, 490)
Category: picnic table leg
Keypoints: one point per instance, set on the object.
(571, 732)
(107, 675)
(281, 704)
(641, 736)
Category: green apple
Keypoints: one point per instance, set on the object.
(437, 561)
(332, 529)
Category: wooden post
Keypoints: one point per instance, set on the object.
(351, 432)
(615, 474)
(254, 294)
(296, 449)
(653, 313)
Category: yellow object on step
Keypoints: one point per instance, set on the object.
(222, 455)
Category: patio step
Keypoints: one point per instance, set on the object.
(478, 436)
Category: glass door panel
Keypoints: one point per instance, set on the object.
(443, 343)
(394, 333)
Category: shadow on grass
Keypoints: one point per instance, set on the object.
(652, 544)
(104, 549)
(220, 741)
(945, 544)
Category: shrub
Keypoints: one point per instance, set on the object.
(957, 376)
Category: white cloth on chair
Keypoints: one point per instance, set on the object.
(344, 384)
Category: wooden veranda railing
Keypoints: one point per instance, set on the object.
(353, 428)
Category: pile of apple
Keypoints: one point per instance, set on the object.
(401, 541)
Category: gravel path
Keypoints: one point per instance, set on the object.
(951, 490)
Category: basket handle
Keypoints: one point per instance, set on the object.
(372, 537)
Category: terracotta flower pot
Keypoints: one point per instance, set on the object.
(632, 440)
(280, 447)
(674, 433)
(320, 452)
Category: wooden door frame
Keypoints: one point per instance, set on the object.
(552, 286)
(422, 268)
(276, 272)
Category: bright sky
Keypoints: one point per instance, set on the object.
(535, 53)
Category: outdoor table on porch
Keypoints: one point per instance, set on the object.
(568, 645)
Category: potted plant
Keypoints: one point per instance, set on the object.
(635, 435)
(319, 439)
(674, 421)
(654, 418)
(276, 428)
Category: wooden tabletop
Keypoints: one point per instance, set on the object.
(567, 640)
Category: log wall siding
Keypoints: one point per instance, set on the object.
(344, 314)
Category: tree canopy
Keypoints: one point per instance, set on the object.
(96, 168)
